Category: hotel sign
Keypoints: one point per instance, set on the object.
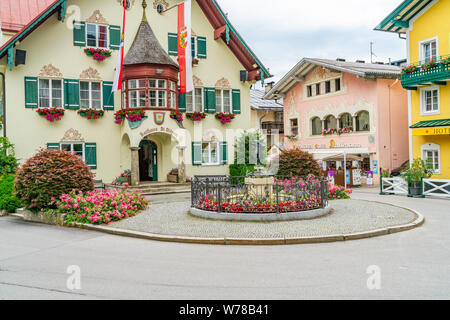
(431, 131)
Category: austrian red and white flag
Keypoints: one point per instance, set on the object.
(119, 67)
(185, 46)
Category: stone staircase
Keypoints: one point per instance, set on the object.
(156, 188)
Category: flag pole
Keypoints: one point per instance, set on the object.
(172, 7)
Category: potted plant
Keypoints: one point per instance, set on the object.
(51, 114)
(172, 176)
(196, 116)
(135, 117)
(178, 117)
(418, 170)
(225, 117)
(91, 114)
(98, 54)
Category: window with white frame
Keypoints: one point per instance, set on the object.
(210, 152)
(173, 95)
(194, 100)
(96, 35)
(136, 93)
(431, 154)
(157, 93)
(430, 103)
(90, 95)
(50, 93)
(429, 50)
(75, 148)
(223, 100)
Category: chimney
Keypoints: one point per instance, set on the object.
(360, 61)
(340, 59)
(268, 86)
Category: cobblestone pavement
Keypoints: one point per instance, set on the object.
(170, 217)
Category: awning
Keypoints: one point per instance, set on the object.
(340, 157)
(431, 128)
(431, 123)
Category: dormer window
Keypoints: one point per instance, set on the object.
(96, 36)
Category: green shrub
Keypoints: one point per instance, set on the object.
(8, 200)
(8, 161)
(297, 163)
(49, 174)
(418, 170)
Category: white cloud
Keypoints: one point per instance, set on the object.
(281, 32)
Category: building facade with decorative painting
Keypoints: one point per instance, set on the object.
(335, 107)
(426, 27)
(57, 74)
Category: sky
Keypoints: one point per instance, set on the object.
(282, 32)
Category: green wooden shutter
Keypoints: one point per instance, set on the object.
(223, 153)
(114, 37)
(210, 100)
(53, 146)
(91, 155)
(236, 101)
(79, 33)
(196, 153)
(182, 101)
(71, 94)
(173, 44)
(108, 95)
(201, 47)
(31, 92)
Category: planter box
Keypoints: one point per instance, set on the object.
(54, 219)
(172, 178)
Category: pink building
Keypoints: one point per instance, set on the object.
(358, 109)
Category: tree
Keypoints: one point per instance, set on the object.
(297, 163)
(8, 161)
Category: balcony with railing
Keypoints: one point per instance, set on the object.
(426, 72)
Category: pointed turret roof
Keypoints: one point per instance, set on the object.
(146, 48)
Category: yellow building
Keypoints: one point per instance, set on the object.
(48, 62)
(425, 25)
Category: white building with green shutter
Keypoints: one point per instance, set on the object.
(59, 71)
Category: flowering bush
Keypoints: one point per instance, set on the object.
(132, 115)
(123, 178)
(428, 66)
(297, 163)
(211, 204)
(98, 54)
(410, 69)
(338, 192)
(49, 174)
(98, 207)
(51, 114)
(196, 116)
(177, 116)
(91, 114)
(225, 117)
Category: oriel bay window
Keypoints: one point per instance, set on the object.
(150, 93)
(50, 93)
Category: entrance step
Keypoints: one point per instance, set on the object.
(156, 188)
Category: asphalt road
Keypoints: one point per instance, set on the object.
(34, 259)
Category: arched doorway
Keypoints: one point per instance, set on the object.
(148, 161)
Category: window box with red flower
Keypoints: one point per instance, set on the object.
(178, 117)
(410, 69)
(135, 117)
(98, 54)
(344, 130)
(196, 116)
(91, 114)
(428, 66)
(225, 117)
(51, 114)
(328, 132)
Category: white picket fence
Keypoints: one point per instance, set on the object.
(431, 187)
(394, 185)
(436, 188)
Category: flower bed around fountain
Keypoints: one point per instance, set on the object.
(259, 198)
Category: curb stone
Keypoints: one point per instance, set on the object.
(420, 220)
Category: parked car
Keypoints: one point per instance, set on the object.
(397, 171)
